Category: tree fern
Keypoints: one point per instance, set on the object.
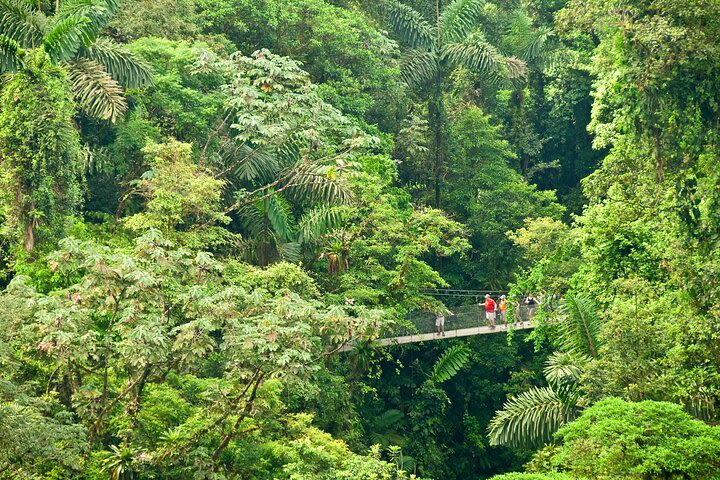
(530, 418)
(450, 363)
(95, 91)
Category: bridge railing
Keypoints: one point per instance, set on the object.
(465, 316)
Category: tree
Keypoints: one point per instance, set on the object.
(40, 154)
(619, 439)
(533, 417)
(453, 39)
(97, 67)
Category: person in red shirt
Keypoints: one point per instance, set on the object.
(490, 310)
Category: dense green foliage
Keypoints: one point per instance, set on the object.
(202, 202)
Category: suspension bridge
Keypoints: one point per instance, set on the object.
(467, 319)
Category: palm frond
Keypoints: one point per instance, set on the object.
(526, 41)
(290, 251)
(67, 36)
(317, 183)
(579, 325)
(11, 55)
(564, 368)
(126, 67)
(98, 12)
(450, 363)
(253, 164)
(410, 25)
(388, 418)
(532, 417)
(19, 21)
(280, 217)
(418, 67)
(95, 91)
(474, 53)
(458, 18)
(536, 43)
(319, 221)
(515, 67)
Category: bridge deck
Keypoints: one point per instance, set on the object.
(462, 332)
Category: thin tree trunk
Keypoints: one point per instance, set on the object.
(435, 113)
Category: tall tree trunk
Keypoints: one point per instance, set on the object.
(29, 229)
(435, 113)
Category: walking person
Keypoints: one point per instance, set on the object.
(490, 310)
(502, 309)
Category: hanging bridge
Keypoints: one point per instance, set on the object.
(467, 319)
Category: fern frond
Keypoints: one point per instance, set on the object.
(11, 55)
(20, 22)
(532, 417)
(129, 69)
(450, 363)
(418, 67)
(319, 221)
(410, 25)
(67, 36)
(580, 325)
(458, 18)
(95, 91)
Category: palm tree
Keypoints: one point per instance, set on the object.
(96, 66)
(453, 39)
(531, 418)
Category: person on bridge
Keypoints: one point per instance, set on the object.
(532, 305)
(502, 309)
(440, 320)
(490, 310)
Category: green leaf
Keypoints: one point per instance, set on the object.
(129, 69)
(21, 23)
(580, 325)
(67, 36)
(11, 55)
(95, 91)
(419, 67)
(319, 221)
(411, 26)
(458, 18)
(531, 418)
(450, 363)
